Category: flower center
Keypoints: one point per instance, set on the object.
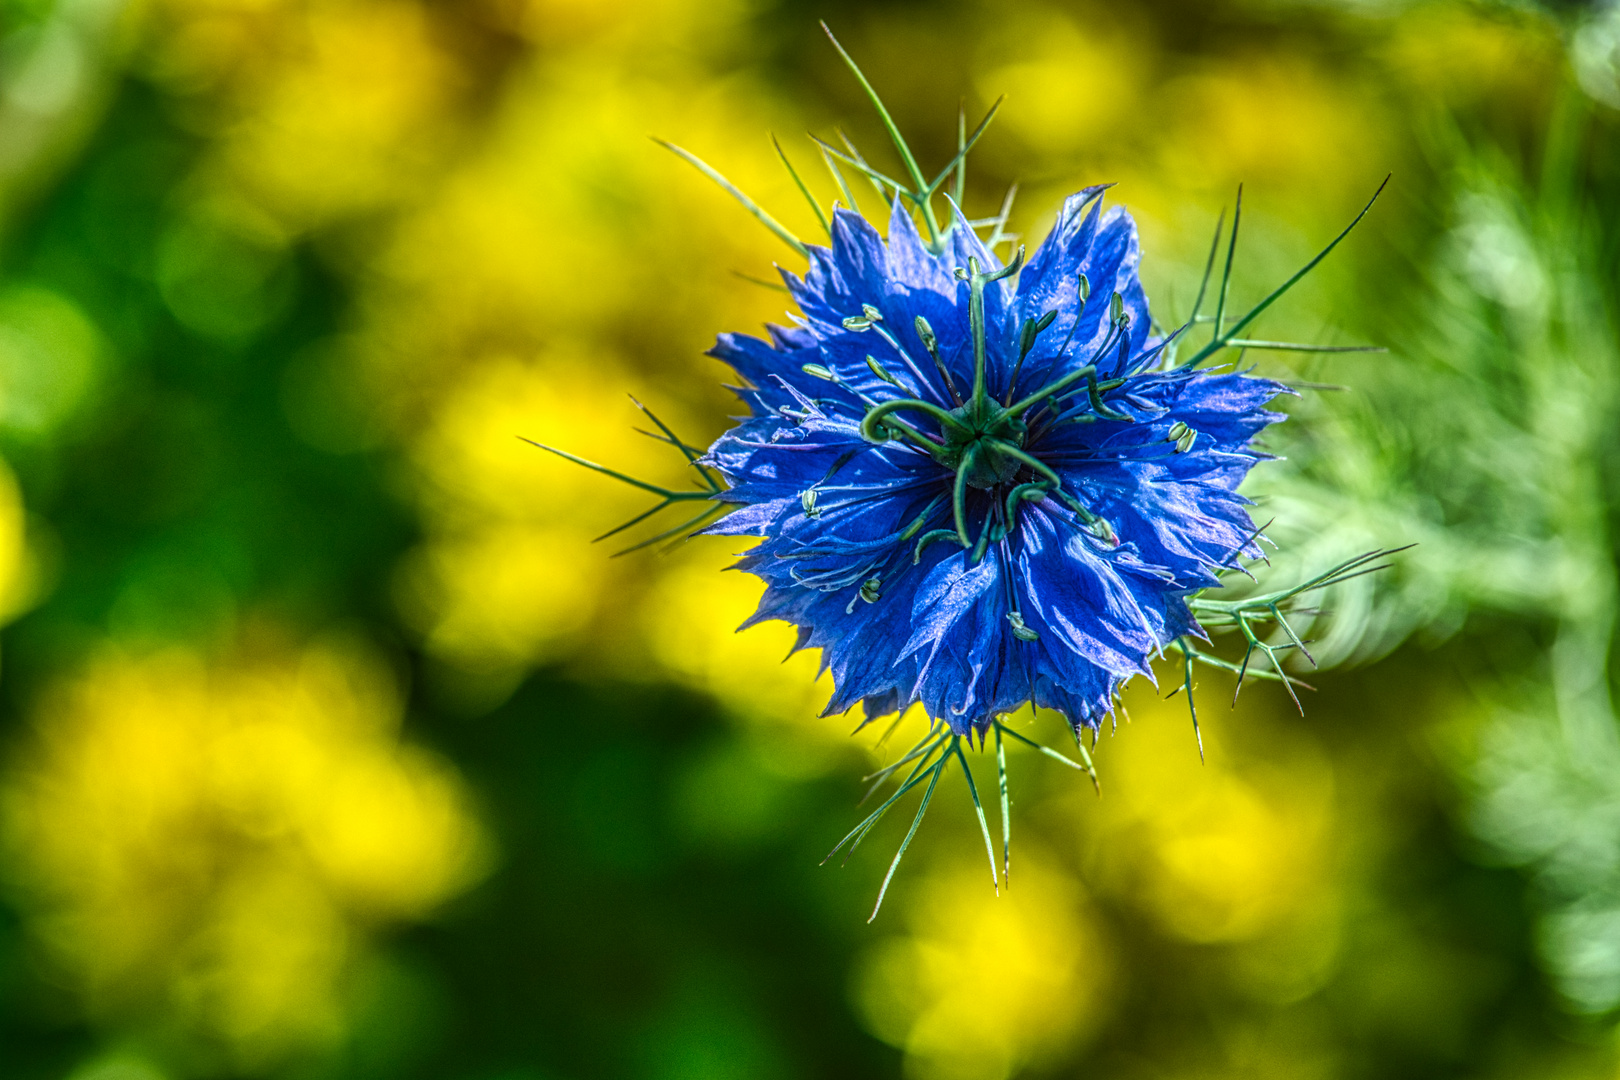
(982, 439)
(991, 433)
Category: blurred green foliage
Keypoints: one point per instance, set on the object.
(333, 749)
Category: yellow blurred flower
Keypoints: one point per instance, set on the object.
(1454, 53)
(1220, 850)
(983, 985)
(507, 574)
(692, 618)
(323, 110)
(20, 571)
(211, 844)
(1054, 86)
(1276, 122)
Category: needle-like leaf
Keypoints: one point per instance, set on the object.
(803, 190)
(765, 219)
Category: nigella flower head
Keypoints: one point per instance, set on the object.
(981, 484)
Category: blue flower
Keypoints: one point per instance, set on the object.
(980, 485)
(975, 486)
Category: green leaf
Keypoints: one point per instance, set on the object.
(735, 192)
(1289, 346)
(958, 163)
(883, 114)
(1219, 342)
(799, 182)
(922, 809)
(1231, 252)
(984, 824)
(838, 178)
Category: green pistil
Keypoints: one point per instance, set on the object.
(982, 440)
(959, 494)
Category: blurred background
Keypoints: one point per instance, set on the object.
(330, 747)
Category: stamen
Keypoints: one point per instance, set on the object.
(1084, 291)
(905, 357)
(931, 343)
(976, 283)
(922, 519)
(880, 371)
(950, 426)
(976, 325)
(1026, 341)
(1035, 491)
(1096, 526)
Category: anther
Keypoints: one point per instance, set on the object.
(857, 323)
(925, 333)
(807, 499)
(1031, 330)
(1085, 289)
(1185, 443)
(872, 313)
(1096, 526)
(1177, 430)
(880, 371)
(819, 372)
(1026, 338)
(869, 589)
(1116, 310)
(1020, 631)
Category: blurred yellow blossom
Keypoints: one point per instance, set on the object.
(1052, 83)
(1455, 52)
(357, 116)
(1279, 123)
(324, 109)
(20, 570)
(507, 576)
(209, 844)
(983, 985)
(1219, 850)
(692, 619)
